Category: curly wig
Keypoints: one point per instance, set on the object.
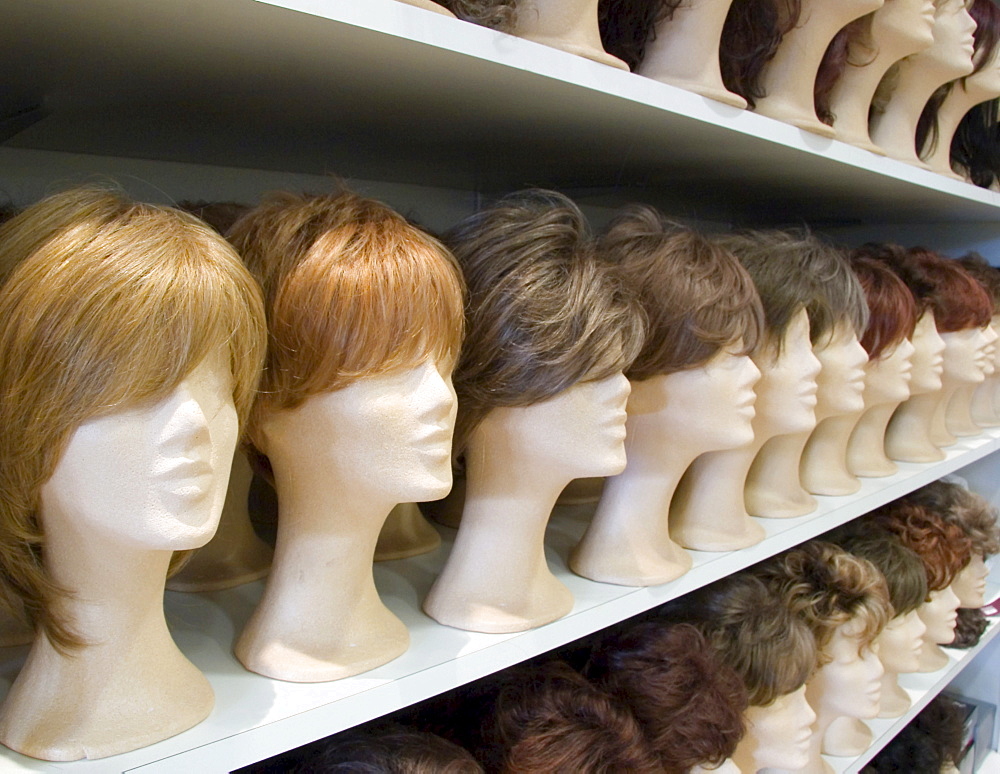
(932, 739)
(956, 505)
(959, 301)
(697, 297)
(627, 26)
(689, 704)
(750, 39)
(969, 629)
(496, 14)
(892, 312)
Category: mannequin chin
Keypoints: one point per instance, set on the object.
(940, 616)
(899, 648)
(778, 735)
(970, 583)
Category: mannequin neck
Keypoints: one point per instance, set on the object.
(894, 700)
(940, 434)
(866, 447)
(908, 436)
(773, 487)
(984, 404)
(569, 25)
(823, 468)
(959, 101)
(958, 411)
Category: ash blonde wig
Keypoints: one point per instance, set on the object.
(105, 304)
(696, 295)
(351, 289)
(827, 587)
(543, 312)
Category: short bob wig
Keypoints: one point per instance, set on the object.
(902, 569)
(543, 313)
(750, 38)
(892, 311)
(942, 547)
(351, 289)
(794, 270)
(955, 504)
(904, 266)
(827, 587)
(106, 304)
(751, 631)
(959, 301)
(689, 704)
(697, 297)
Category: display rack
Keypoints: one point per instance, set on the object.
(387, 92)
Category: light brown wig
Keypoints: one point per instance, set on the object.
(957, 505)
(350, 290)
(753, 632)
(942, 547)
(495, 14)
(696, 295)
(689, 704)
(106, 304)
(543, 313)
(827, 587)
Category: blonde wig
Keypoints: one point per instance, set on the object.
(106, 304)
(827, 587)
(955, 504)
(543, 312)
(696, 295)
(351, 289)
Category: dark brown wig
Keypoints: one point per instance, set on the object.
(969, 628)
(835, 61)
(496, 14)
(975, 148)
(933, 739)
(986, 275)
(959, 301)
(627, 26)
(750, 39)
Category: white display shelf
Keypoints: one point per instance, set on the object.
(256, 717)
(922, 688)
(386, 91)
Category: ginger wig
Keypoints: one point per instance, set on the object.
(959, 302)
(892, 311)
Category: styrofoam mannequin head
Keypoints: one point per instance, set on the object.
(577, 433)
(153, 476)
(940, 615)
(953, 37)
(970, 583)
(911, 22)
(965, 356)
(780, 732)
(900, 643)
(990, 351)
(786, 391)
(850, 682)
(841, 380)
(388, 433)
(928, 356)
(887, 378)
(726, 767)
(996, 347)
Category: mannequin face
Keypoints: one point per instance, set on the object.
(887, 378)
(578, 433)
(940, 616)
(996, 346)
(780, 732)
(900, 643)
(990, 351)
(970, 583)
(911, 22)
(965, 355)
(713, 403)
(851, 683)
(953, 38)
(928, 359)
(841, 379)
(786, 392)
(153, 476)
(388, 434)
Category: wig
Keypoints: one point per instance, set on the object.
(688, 703)
(387, 748)
(751, 631)
(827, 587)
(892, 311)
(106, 304)
(932, 739)
(985, 40)
(794, 269)
(836, 60)
(902, 569)
(627, 26)
(986, 275)
(959, 301)
(550, 718)
(350, 289)
(496, 14)
(543, 312)
(943, 548)
(955, 504)
(697, 297)
(750, 39)
(219, 215)
(904, 266)
(969, 628)
(975, 148)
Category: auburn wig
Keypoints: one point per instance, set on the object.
(106, 304)
(351, 289)
(959, 301)
(957, 505)
(904, 266)
(836, 60)
(943, 547)
(628, 26)
(751, 631)
(986, 275)
(697, 297)
(543, 312)
(892, 311)
(827, 587)
(750, 39)
(689, 704)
